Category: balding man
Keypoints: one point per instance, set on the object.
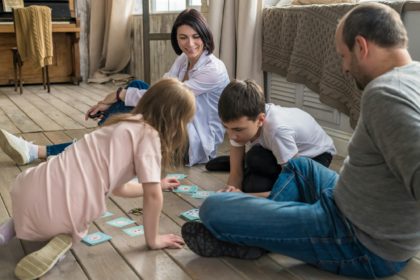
(365, 222)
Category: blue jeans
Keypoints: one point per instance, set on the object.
(299, 219)
(117, 107)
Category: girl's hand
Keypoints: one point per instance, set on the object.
(169, 184)
(230, 189)
(171, 241)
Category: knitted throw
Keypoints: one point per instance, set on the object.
(34, 34)
(299, 44)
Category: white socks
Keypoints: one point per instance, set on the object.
(33, 151)
(7, 231)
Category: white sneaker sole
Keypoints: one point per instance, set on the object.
(8, 147)
(40, 262)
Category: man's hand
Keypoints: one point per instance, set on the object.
(169, 184)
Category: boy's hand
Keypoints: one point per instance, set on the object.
(171, 241)
(169, 184)
(230, 189)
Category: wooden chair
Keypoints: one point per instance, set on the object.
(18, 63)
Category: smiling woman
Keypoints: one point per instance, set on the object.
(196, 67)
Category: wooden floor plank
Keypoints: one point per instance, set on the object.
(102, 92)
(18, 118)
(87, 92)
(76, 115)
(195, 266)
(77, 93)
(55, 114)
(102, 261)
(149, 264)
(70, 99)
(11, 253)
(6, 123)
(41, 118)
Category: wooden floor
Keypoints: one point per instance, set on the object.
(53, 118)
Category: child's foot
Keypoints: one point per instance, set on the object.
(16, 148)
(40, 262)
(202, 242)
(7, 231)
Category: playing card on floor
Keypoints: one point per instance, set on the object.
(186, 189)
(190, 215)
(106, 214)
(96, 238)
(120, 222)
(134, 231)
(178, 176)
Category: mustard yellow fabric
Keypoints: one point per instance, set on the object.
(33, 30)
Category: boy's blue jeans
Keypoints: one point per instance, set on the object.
(299, 219)
(118, 107)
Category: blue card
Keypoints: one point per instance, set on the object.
(106, 214)
(190, 215)
(120, 222)
(134, 231)
(96, 238)
(186, 189)
(202, 194)
(178, 176)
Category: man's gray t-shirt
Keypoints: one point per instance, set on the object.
(379, 185)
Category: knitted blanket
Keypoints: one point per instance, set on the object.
(33, 30)
(299, 44)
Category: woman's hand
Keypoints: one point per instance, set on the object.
(102, 105)
(171, 241)
(169, 184)
(230, 189)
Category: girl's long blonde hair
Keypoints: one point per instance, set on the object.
(167, 106)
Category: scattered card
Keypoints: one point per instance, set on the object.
(202, 194)
(178, 176)
(106, 214)
(120, 222)
(96, 238)
(134, 231)
(190, 215)
(186, 189)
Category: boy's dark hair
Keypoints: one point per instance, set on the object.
(376, 22)
(196, 21)
(241, 99)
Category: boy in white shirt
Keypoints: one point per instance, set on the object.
(266, 136)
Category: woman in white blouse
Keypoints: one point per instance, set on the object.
(204, 74)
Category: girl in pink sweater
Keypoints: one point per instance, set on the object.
(59, 198)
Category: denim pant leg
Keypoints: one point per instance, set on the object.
(302, 179)
(56, 149)
(315, 232)
(261, 170)
(119, 106)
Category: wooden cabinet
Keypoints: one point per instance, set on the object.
(66, 64)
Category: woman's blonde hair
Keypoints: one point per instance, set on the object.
(167, 106)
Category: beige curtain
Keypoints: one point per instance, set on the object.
(237, 30)
(109, 36)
